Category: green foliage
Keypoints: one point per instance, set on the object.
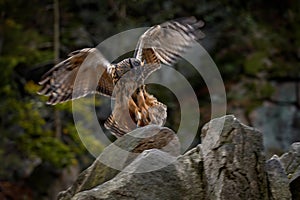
(252, 42)
(258, 45)
(27, 130)
(49, 149)
(254, 63)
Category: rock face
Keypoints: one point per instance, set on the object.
(281, 114)
(291, 165)
(229, 164)
(233, 160)
(278, 180)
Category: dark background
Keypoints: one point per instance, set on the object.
(255, 44)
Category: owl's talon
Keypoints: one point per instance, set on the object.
(58, 83)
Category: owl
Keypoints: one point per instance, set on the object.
(87, 71)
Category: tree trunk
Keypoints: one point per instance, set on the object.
(57, 119)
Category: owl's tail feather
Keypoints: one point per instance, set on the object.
(114, 127)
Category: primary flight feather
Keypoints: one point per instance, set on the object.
(87, 71)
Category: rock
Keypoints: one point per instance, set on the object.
(233, 160)
(229, 164)
(274, 118)
(278, 181)
(119, 154)
(170, 182)
(294, 187)
(291, 163)
(96, 174)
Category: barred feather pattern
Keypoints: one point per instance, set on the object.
(167, 42)
(87, 67)
(87, 71)
(139, 109)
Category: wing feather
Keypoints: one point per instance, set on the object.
(114, 127)
(122, 121)
(77, 76)
(167, 42)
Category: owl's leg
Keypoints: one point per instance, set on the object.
(142, 104)
(134, 111)
(157, 111)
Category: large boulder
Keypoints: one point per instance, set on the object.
(228, 164)
(233, 160)
(291, 164)
(278, 180)
(122, 152)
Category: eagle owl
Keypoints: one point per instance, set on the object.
(123, 81)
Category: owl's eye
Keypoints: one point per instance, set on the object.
(135, 63)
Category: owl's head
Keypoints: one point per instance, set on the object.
(134, 63)
(126, 65)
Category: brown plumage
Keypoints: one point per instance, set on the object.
(87, 71)
(136, 110)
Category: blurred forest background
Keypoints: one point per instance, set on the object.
(255, 44)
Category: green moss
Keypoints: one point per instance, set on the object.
(255, 63)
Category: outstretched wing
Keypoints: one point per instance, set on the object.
(165, 43)
(86, 71)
